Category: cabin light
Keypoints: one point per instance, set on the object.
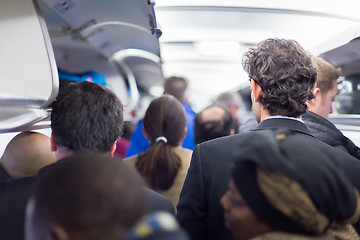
(156, 91)
(218, 48)
(123, 54)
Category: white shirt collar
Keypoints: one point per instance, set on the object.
(279, 116)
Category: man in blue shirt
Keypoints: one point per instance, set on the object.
(175, 86)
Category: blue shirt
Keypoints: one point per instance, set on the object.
(139, 143)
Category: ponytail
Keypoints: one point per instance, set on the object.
(159, 165)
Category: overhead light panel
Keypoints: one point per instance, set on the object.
(218, 48)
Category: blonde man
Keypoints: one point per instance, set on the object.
(320, 107)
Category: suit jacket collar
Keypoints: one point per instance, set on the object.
(4, 177)
(283, 123)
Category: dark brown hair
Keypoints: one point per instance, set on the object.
(285, 74)
(87, 117)
(159, 165)
(100, 197)
(207, 129)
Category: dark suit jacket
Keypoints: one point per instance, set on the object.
(15, 194)
(199, 210)
(4, 177)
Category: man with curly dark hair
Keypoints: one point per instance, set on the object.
(282, 78)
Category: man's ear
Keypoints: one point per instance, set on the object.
(312, 102)
(316, 91)
(53, 145)
(256, 89)
(57, 232)
(113, 149)
(315, 86)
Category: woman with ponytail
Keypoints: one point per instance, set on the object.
(164, 165)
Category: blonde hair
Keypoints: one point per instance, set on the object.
(327, 74)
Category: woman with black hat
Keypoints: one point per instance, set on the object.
(283, 188)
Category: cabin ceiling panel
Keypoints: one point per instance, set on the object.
(187, 24)
(249, 27)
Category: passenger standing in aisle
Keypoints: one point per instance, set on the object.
(279, 191)
(85, 196)
(165, 164)
(282, 78)
(213, 122)
(176, 86)
(316, 118)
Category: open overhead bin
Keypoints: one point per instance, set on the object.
(108, 25)
(102, 36)
(29, 80)
(343, 50)
(41, 37)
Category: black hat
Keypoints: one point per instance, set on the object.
(291, 185)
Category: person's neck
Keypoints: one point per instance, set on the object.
(264, 115)
(62, 152)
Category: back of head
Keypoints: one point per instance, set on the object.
(176, 86)
(164, 125)
(85, 197)
(166, 117)
(213, 122)
(327, 74)
(285, 74)
(229, 99)
(292, 186)
(86, 116)
(26, 153)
